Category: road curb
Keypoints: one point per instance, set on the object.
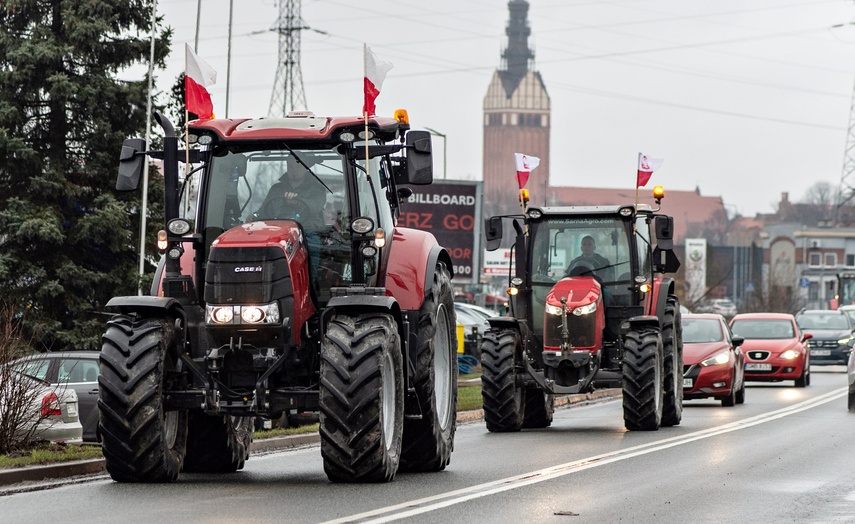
(96, 466)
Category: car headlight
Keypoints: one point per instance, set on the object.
(585, 310)
(250, 314)
(845, 340)
(718, 359)
(790, 354)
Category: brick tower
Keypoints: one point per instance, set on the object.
(516, 120)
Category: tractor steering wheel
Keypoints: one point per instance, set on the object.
(579, 268)
(281, 208)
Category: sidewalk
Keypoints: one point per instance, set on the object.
(96, 466)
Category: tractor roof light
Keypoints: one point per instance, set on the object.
(347, 136)
(535, 213)
(362, 225)
(658, 193)
(179, 226)
(204, 140)
(401, 116)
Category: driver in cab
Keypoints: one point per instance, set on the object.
(589, 262)
(296, 195)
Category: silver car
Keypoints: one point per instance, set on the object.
(40, 411)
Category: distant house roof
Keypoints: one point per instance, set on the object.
(694, 215)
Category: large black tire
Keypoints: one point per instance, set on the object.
(217, 444)
(502, 390)
(539, 408)
(672, 351)
(642, 380)
(141, 441)
(361, 398)
(428, 441)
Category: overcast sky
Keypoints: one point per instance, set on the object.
(744, 99)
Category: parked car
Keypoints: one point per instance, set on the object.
(474, 326)
(832, 335)
(50, 411)
(713, 363)
(78, 370)
(721, 306)
(774, 347)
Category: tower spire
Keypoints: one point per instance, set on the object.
(517, 55)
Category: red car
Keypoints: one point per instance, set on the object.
(713, 363)
(774, 347)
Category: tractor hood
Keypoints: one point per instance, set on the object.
(283, 233)
(579, 291)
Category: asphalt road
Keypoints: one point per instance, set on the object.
(783, 456)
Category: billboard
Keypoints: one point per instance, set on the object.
(450, 209)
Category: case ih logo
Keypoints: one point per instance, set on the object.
(247, 269)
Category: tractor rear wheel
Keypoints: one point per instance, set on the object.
(539, 408)
(502, 390)
(428, 441)
(217, 444)
(361, 398)
(672, 350)
(141, 441)
(642, 380)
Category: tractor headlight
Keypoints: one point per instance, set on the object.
(553, 310)
(262, 314)
(585, 310)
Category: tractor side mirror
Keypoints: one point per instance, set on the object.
(130, 164)
(665, 261)
(493, 232)
(419, 159)
(664, 232)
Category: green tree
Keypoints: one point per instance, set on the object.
(68, 240)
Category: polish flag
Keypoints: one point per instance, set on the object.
(198, 75)
(646, 166)
(525, 165)
(375, 73)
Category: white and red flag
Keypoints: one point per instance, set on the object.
(646, 166)
(375, 73)
(525, 165)
(198, 75)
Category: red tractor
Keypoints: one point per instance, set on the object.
(589, 309)
(267, 302)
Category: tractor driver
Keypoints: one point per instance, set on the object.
(300, 196)
(297, 195)
(589, 262)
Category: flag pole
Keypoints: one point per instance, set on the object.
(638, 163)
(144, 210)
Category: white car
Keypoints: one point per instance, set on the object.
(39, 411)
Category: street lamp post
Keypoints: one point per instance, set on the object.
(444, 149)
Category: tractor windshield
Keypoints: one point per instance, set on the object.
(276, 184)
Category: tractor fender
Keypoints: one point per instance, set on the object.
(356, 304)
(146, 305)
(644, 321)
(662, 287)
(412, 262)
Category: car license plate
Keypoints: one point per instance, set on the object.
(758, 367)
(820, 352)
(687, 383)
(71, 408)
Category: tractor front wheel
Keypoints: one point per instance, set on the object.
(502, 390)
(428, 441)
(361, 398)
(141, 441)
(642, 380)
(672, 350)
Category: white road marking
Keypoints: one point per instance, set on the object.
(427, 504)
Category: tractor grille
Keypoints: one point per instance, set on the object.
(247, 275)
(581, 330)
